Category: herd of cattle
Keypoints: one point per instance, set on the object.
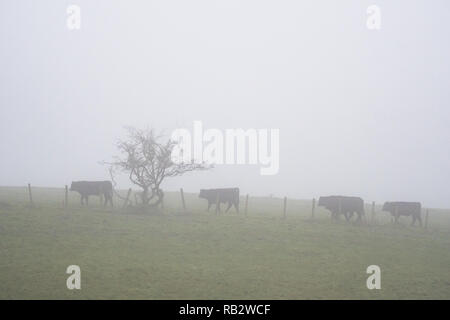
(337, 205)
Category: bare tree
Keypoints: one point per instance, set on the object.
(146, 158)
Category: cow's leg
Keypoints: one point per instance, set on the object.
(336, 216)
(229, 206)
(218, 207)
(350, 216)
(84, 199)
(333, 215)
(236, 205)
(360, 215)
(416, 217)
(209, 205)
(347, 216)
(108, 198)
(87, 200)
(420, 219)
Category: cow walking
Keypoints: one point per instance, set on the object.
(397, 209)
(93, 188)
(343, 205)
(218, 196)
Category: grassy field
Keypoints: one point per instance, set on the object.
(126, 254)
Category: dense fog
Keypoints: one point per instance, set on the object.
(359, 112)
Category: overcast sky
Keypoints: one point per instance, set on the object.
(360, 112)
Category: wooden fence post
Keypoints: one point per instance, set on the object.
(426, 220)
(284, 207)
(246, 204)
(182, 200)
(29, 194)
(313, 207)
(396, 214)
(126, 200)
(217, 203)
(66, 196)
(372, 218)
(340, 208)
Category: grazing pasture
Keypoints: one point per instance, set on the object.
(125, 253)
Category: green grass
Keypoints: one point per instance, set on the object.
(124, 254)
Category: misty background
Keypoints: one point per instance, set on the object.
(360, 112)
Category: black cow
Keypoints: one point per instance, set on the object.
(228, 195)
(398, 209)
(93, 188)
(343, 205)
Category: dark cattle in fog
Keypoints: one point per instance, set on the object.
(343, 205)
(227, 195)
(93, 188)
(398, 209)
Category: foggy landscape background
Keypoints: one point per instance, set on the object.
(360, 112)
